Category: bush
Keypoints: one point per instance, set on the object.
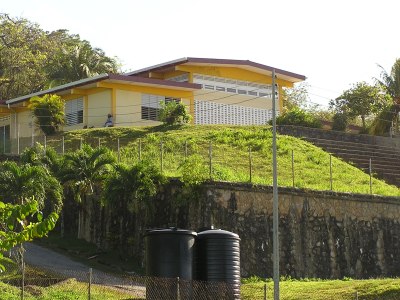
(174, 113)
(340, 122)
(298, 117)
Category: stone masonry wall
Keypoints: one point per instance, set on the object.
(322, 234)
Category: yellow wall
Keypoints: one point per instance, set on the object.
(128, 110)
(24, 124)
(99, 106)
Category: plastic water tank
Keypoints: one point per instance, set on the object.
(169, 255)
(217, 261)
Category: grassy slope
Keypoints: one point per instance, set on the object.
(230, 151)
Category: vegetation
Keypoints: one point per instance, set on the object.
(48, 111)
(83, 170)
(370, 289)
(388, 117)
(20, 223)
(361, 100)
(298, 117)
(187, 148)
(69, 289)
(340, 121)
(32, 59)
(173, 113)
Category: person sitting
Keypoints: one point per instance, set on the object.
(109, 122)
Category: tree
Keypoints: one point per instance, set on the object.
(296, 97)
(172, 113)
(361, 100)
(32, 59)
(24, 53)
(83, 170)
(391, 84)
(132, 189)
(48, 111)
(133, 185)
(22, 223)
(77, 59)
(19, 182)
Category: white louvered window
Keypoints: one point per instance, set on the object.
(74, 112)
(151, 106)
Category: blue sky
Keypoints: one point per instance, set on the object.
(333, 43)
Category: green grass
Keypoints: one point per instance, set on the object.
(67, 290)
(230, 155)
(371, 289)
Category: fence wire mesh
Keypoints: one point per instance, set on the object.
(28, 282)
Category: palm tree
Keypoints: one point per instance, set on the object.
(18, 183)
(78, 60)
(132, 188)
(391, 84)
(49, 159)
(83, 170)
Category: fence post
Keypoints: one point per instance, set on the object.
(45, 143)
(90, 283)
(210, 157)
(99, 142)
(370, 175)
(250, 165)
(81, 144)
(186, 150)
(265, 291)
(178, 297)
(23, 278)
(356, 295)
(33, 138)
(161, 156)
(18, 140)
(119, 153)
(63, 145)
(292, 167)
(140, 149)
(330, 171)
(4, 140)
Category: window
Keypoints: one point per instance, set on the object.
(151, 106)
(74, 112)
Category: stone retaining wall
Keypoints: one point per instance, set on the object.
(322, 234)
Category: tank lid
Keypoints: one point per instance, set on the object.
(218, 233)
(170, 230)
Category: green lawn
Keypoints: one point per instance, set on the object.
(371, 289)
(67, 290)
(230, 155)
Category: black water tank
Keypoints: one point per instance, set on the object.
(217, 261)
(169, 254)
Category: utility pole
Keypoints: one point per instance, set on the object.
(275, 210)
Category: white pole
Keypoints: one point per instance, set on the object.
(275, 210)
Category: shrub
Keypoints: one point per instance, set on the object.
(48, 111)
(298, 117)
(173, 113)
(340, 121)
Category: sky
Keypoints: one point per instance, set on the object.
(333, 43)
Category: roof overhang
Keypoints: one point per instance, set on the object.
(89, 83)
(232, 63)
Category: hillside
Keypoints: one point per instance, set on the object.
(231, 159)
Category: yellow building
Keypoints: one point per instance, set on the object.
(216, 91)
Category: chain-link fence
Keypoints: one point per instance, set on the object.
(28, 282)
